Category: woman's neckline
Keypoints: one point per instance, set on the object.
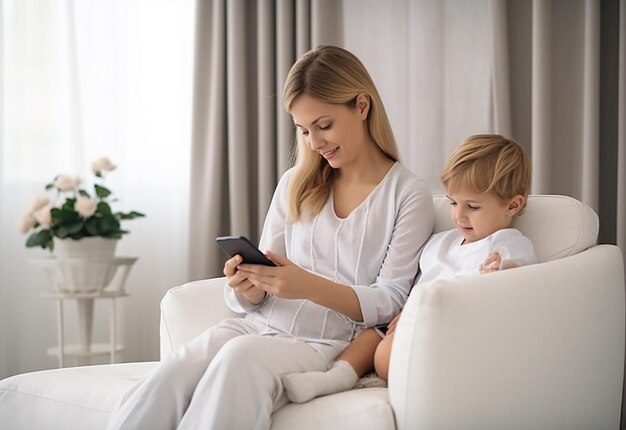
(365, 200)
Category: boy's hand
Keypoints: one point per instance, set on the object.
(491, 263)
(494, 262)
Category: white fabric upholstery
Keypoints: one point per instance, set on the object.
(557, 226)
(541, 346)
(63, 399)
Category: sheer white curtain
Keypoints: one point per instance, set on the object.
(82, 79)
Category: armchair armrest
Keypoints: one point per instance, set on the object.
(540, 346)
(188, 310)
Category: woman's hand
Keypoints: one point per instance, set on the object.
(287, 280)
(238, 281)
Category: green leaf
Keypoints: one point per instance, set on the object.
(75, 228)
(61, 232)
(129, 215)
(49, 186)
(104, 209)
(64, 216)
(33, 240)
(107, 225)
(84, 193)
(92, 227)
(101, 191)
(115, 234)
(41, 238)
(68, 205)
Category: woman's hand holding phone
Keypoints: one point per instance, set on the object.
(252, 274)
(287, 281)
(238, 281)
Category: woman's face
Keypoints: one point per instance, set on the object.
(337, 132)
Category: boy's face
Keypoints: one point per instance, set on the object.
(477, 215)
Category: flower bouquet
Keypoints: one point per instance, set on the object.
(75, 213)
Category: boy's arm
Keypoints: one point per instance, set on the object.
(494, 262)
(508, 248)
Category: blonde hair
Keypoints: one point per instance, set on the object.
(331, 75)
(489, 163)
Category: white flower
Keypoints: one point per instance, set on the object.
(66, 183)
(101, 165)
(43, 217)
(26, 223)
(37, 203)
(85, 206)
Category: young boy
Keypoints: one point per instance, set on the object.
(487, 180)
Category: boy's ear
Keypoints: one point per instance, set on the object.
(516, 204)
(363, 105)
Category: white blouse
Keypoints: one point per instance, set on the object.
(375, 250)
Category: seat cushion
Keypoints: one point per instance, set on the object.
(70, 398)
(83, 398)
(365, 408)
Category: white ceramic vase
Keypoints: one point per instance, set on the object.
(87, 247)
(84, 265)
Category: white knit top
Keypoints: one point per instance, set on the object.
(374, 250)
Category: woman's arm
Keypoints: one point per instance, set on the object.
(289, 281)
(240, 294)
(384, 299)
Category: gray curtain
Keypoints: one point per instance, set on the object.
(566, 79)
(242, 137)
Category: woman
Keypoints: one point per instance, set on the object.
(345, 227)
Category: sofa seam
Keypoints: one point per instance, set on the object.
(167, 328)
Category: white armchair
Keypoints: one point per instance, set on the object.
(540, 346)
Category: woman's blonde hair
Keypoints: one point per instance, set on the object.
(331, 75)
(489, 163)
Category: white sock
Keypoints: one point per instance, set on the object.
(302, 387)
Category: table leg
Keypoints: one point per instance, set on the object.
(85, 326)
(60, 337)
(112, 328)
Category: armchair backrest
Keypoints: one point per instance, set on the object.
(558, 226)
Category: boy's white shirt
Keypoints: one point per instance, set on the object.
(444, 256)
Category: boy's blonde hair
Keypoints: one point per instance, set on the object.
(488, 163)
(332, 75)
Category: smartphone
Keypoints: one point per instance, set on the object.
(241, 245)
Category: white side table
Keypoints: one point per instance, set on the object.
(110, 275)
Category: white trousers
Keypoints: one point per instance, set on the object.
(229, 377)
